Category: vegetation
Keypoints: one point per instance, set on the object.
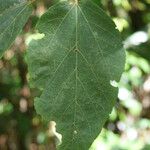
(70, 57)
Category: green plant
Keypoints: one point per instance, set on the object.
(75, 62)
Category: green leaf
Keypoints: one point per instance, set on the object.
(142, 50)
(73, 65)
(13, 16)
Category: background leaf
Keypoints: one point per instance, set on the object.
(13, 16)
(142, 50)
(73, 64)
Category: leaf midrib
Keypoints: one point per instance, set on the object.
(57, 29)
(76, 48)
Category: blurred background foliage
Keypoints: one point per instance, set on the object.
(128, 126)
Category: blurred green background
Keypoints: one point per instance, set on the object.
(128, 126)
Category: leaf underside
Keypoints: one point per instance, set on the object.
(73, 65)
(13, 16)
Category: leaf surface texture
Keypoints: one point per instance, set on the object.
(13, 16)
(73, 65)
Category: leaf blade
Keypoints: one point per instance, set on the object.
(75, 68)
(13, 16)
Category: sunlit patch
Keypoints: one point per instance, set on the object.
(146, 85)
(23, 105)
(9, 54)
(113, 83)
(36, 36)
(137, 38)
(63, 0)
(120, 23)
(53, 133)
(75, 132)
(72, 2)
(124, 94)
(121, 126)
(132, 134)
